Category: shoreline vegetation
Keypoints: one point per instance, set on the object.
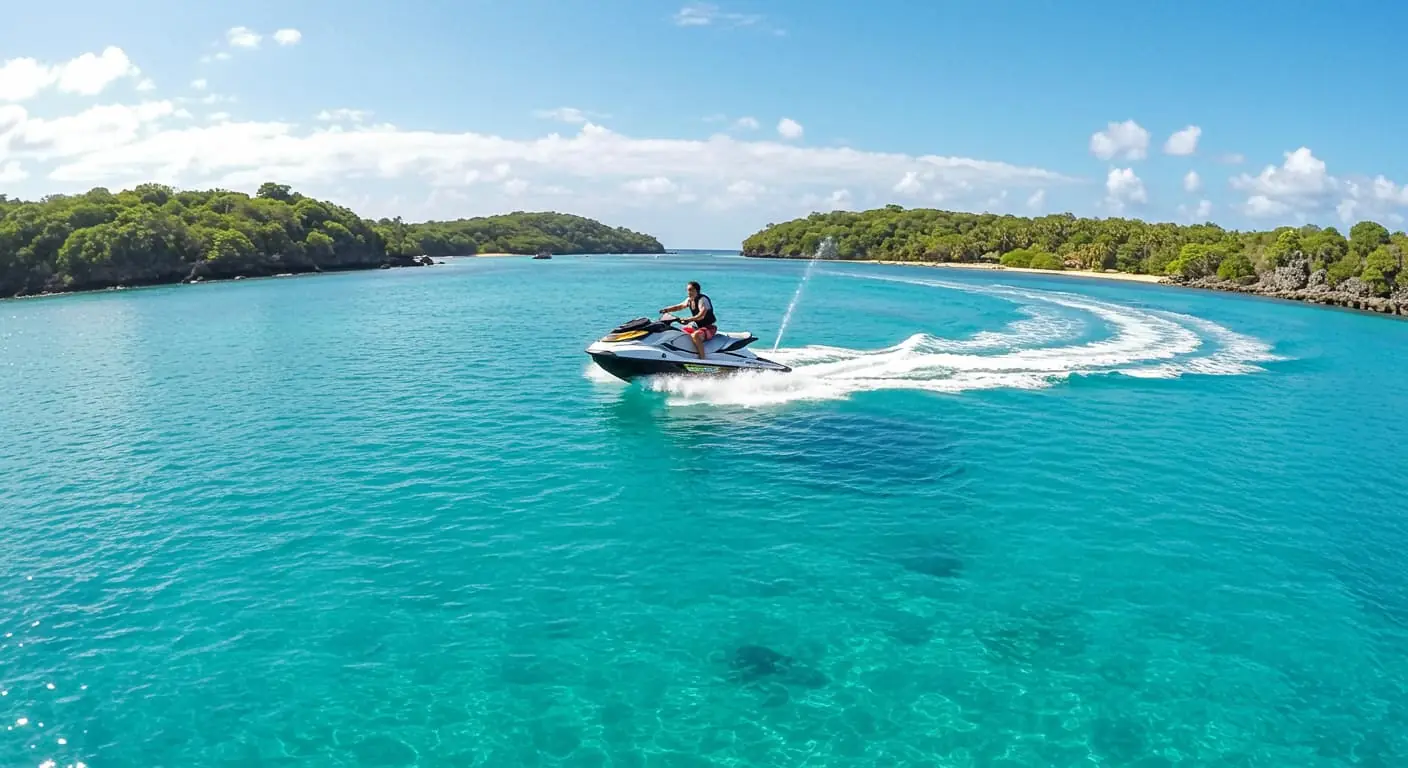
(154, 234)
(1368, 270)
(992, 267)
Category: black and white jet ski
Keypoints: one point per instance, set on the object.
(645, 347)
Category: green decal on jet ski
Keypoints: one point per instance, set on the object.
(693, 368)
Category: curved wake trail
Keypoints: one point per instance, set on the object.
(1036, 351)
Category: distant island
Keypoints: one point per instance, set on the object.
(1368, 270)
(153, 234)
(527, 233)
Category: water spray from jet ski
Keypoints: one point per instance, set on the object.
(825, 250)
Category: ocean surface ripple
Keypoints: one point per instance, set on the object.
(395, 518)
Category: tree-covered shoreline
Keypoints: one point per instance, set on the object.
(526, 233)
(1368, 269)
(154, 234)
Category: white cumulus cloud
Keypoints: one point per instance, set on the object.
(1037, 199)
(910, 184)
(199, 84)
(240, 150)
(1197, 214)
(1301, 183)
(1302, 186)
(12, 173)
(86, 75)
(288, 37)
(730, 182)
(1184, 142)
(94, 130)
(839, 199)
(1263, 206)
(1127, 139)
(1122, 187)
(788, 128)
(1191, 182)
(746, 123)
(1384, 190)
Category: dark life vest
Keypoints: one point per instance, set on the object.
(708, 320)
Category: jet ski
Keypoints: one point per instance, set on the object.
(645, 347)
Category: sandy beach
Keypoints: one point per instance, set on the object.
(1125, 276)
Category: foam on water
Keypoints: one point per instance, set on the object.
(1027, 354)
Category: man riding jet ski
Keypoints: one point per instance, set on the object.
(706, 325)
(644, 347)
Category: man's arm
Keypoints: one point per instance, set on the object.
(681, 305)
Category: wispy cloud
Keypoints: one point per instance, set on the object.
(343, 115)
(744, 123)
(710, 15)
(243, 37)
(570, 115)
(248, 39)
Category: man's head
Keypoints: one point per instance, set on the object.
(692, 288)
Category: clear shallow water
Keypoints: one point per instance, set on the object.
(393, 518)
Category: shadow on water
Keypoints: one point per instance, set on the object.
(833, 450)
(852, 454)
(771, 673)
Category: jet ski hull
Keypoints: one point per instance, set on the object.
(628, 367)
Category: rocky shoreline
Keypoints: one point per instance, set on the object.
(1298, 282)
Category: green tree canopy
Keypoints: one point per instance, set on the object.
(516, 232)
(153, 233)
(1189, 251)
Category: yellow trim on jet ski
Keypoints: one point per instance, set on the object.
(627, 336)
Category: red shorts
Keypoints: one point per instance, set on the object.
(705, 333)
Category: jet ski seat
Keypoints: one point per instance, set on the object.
(722, 342)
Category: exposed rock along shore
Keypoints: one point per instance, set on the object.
(1298, 282)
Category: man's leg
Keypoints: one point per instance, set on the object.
(697, 336)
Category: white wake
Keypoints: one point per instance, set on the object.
(1027, 354)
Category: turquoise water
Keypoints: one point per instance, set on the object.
(393, 518)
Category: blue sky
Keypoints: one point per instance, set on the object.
(667, 114)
